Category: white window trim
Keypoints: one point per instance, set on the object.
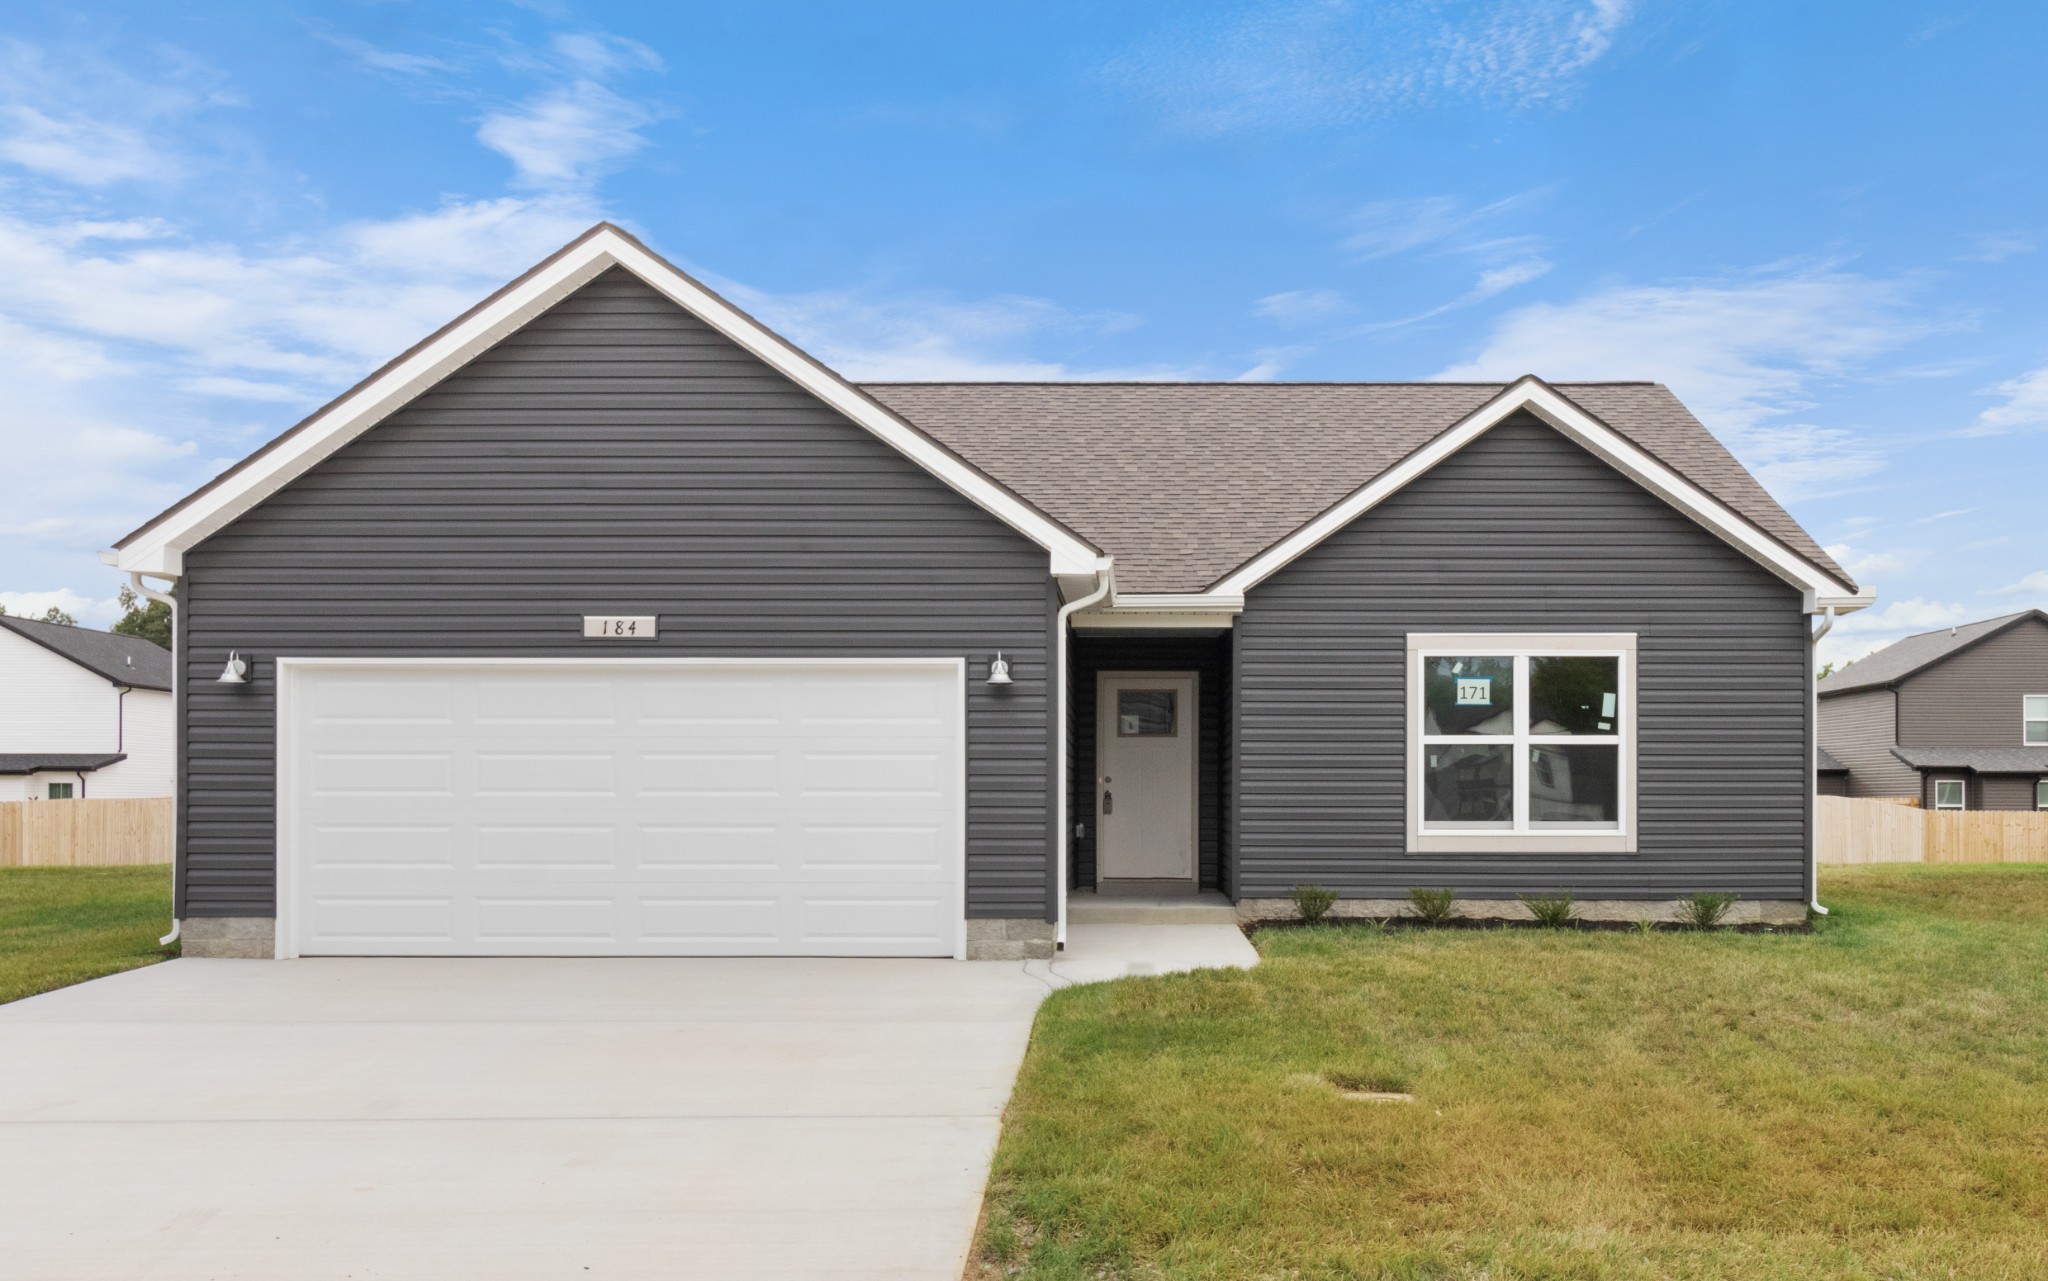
(2026, 720)
(1962, 792)
(1620, 645)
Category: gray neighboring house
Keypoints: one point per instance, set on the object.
(607, 622)
(1957, 717)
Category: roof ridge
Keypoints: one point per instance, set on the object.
(1229, 382)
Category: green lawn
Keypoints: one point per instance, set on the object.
(1868, 1101)
(64, 925)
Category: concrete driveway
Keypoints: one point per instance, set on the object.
(507, 1118)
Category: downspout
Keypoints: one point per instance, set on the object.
(1105, 578)
(177, 682)
(1827, 624)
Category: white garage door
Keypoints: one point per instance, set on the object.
(629, 809)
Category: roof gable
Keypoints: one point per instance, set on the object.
(1903, 658)
(123, 660)
(1209, 487)
(158, 547)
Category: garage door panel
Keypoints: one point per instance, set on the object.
(381, 773)
(628, 811)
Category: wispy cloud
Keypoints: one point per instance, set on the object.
(1941, 516)
(1999, 246)
(874, 334)
(2034, 584)
(1297, 307)
(85, 610)
(1867, 566)
(1307, 64)
(1745, 352)
(567, 137)
(2025, 407)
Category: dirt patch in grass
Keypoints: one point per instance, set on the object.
(1865, 1100)
(64, 925)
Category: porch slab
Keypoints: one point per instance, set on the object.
(1154, 908)
(1097, 952)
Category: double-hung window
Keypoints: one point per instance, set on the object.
(1521, 743)
(2034, 720)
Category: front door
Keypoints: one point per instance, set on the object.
(1145, 776)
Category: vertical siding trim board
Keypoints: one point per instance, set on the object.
(1524, 531)
(829, 544)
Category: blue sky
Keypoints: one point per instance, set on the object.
(1823, 225)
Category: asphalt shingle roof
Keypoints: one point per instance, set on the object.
(124, 660)
(1185, 482)
(1980, 760)
(1902, 658)
(30, 762)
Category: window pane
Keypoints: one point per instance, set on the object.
(1468, 695)
(60, 791)
(1144, 713)
(2041, 795)
(1469, 786)
(1578, 694)
(1948, 793)
(1578, 785)
(2037, 732)
(2037, 707)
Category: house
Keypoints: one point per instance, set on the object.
(605, 621)
(1957, 717)
(82, 713)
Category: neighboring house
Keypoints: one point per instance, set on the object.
(82, 713)
(1957, 717)
(605, 621)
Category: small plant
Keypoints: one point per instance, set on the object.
(1369, 1082)
(1434, 906)
(1552, 911)
(1646, 927)
(1704, 911)
(1313, 902)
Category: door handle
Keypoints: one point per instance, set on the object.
(1108, 804)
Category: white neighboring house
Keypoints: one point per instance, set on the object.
(82, 713)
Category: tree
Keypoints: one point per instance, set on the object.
(1825, 669)
(50, 615)
(150, 621)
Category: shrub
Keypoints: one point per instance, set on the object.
(1434, 906)
(1552, 911)
(1313, 902)
(1704, 911)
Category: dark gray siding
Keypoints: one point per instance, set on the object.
(615, 456)
(1523, 530)
(1093, 654)
(2008, 791)
(1857, 729)
(1831, 785)
(1972, 699)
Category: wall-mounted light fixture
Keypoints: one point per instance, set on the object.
(998, 670)
(236, 672)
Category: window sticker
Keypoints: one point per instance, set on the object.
(1475, 691)
(1607, 706)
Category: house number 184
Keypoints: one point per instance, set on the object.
(619, 627)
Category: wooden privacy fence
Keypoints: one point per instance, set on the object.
(1863, 830)
(85, 833)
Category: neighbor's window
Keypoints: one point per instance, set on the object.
(2036, 716)
(1521, 741)
(2041, 794)
(1948, 793)
(61, 791)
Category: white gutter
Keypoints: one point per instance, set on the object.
(1105, 578)
(1827, 624)
(177, 779)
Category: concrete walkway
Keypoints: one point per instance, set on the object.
(516, 1118)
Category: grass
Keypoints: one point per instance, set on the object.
(64, 925)
(1867, 1101)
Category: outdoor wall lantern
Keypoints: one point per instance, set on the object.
(236, 672)
(998, 670)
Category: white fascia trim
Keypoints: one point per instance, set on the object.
(159, 548)
(1624, 456)
(1163, 610)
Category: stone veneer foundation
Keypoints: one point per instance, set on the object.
(1009, 940)
(248, 938)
